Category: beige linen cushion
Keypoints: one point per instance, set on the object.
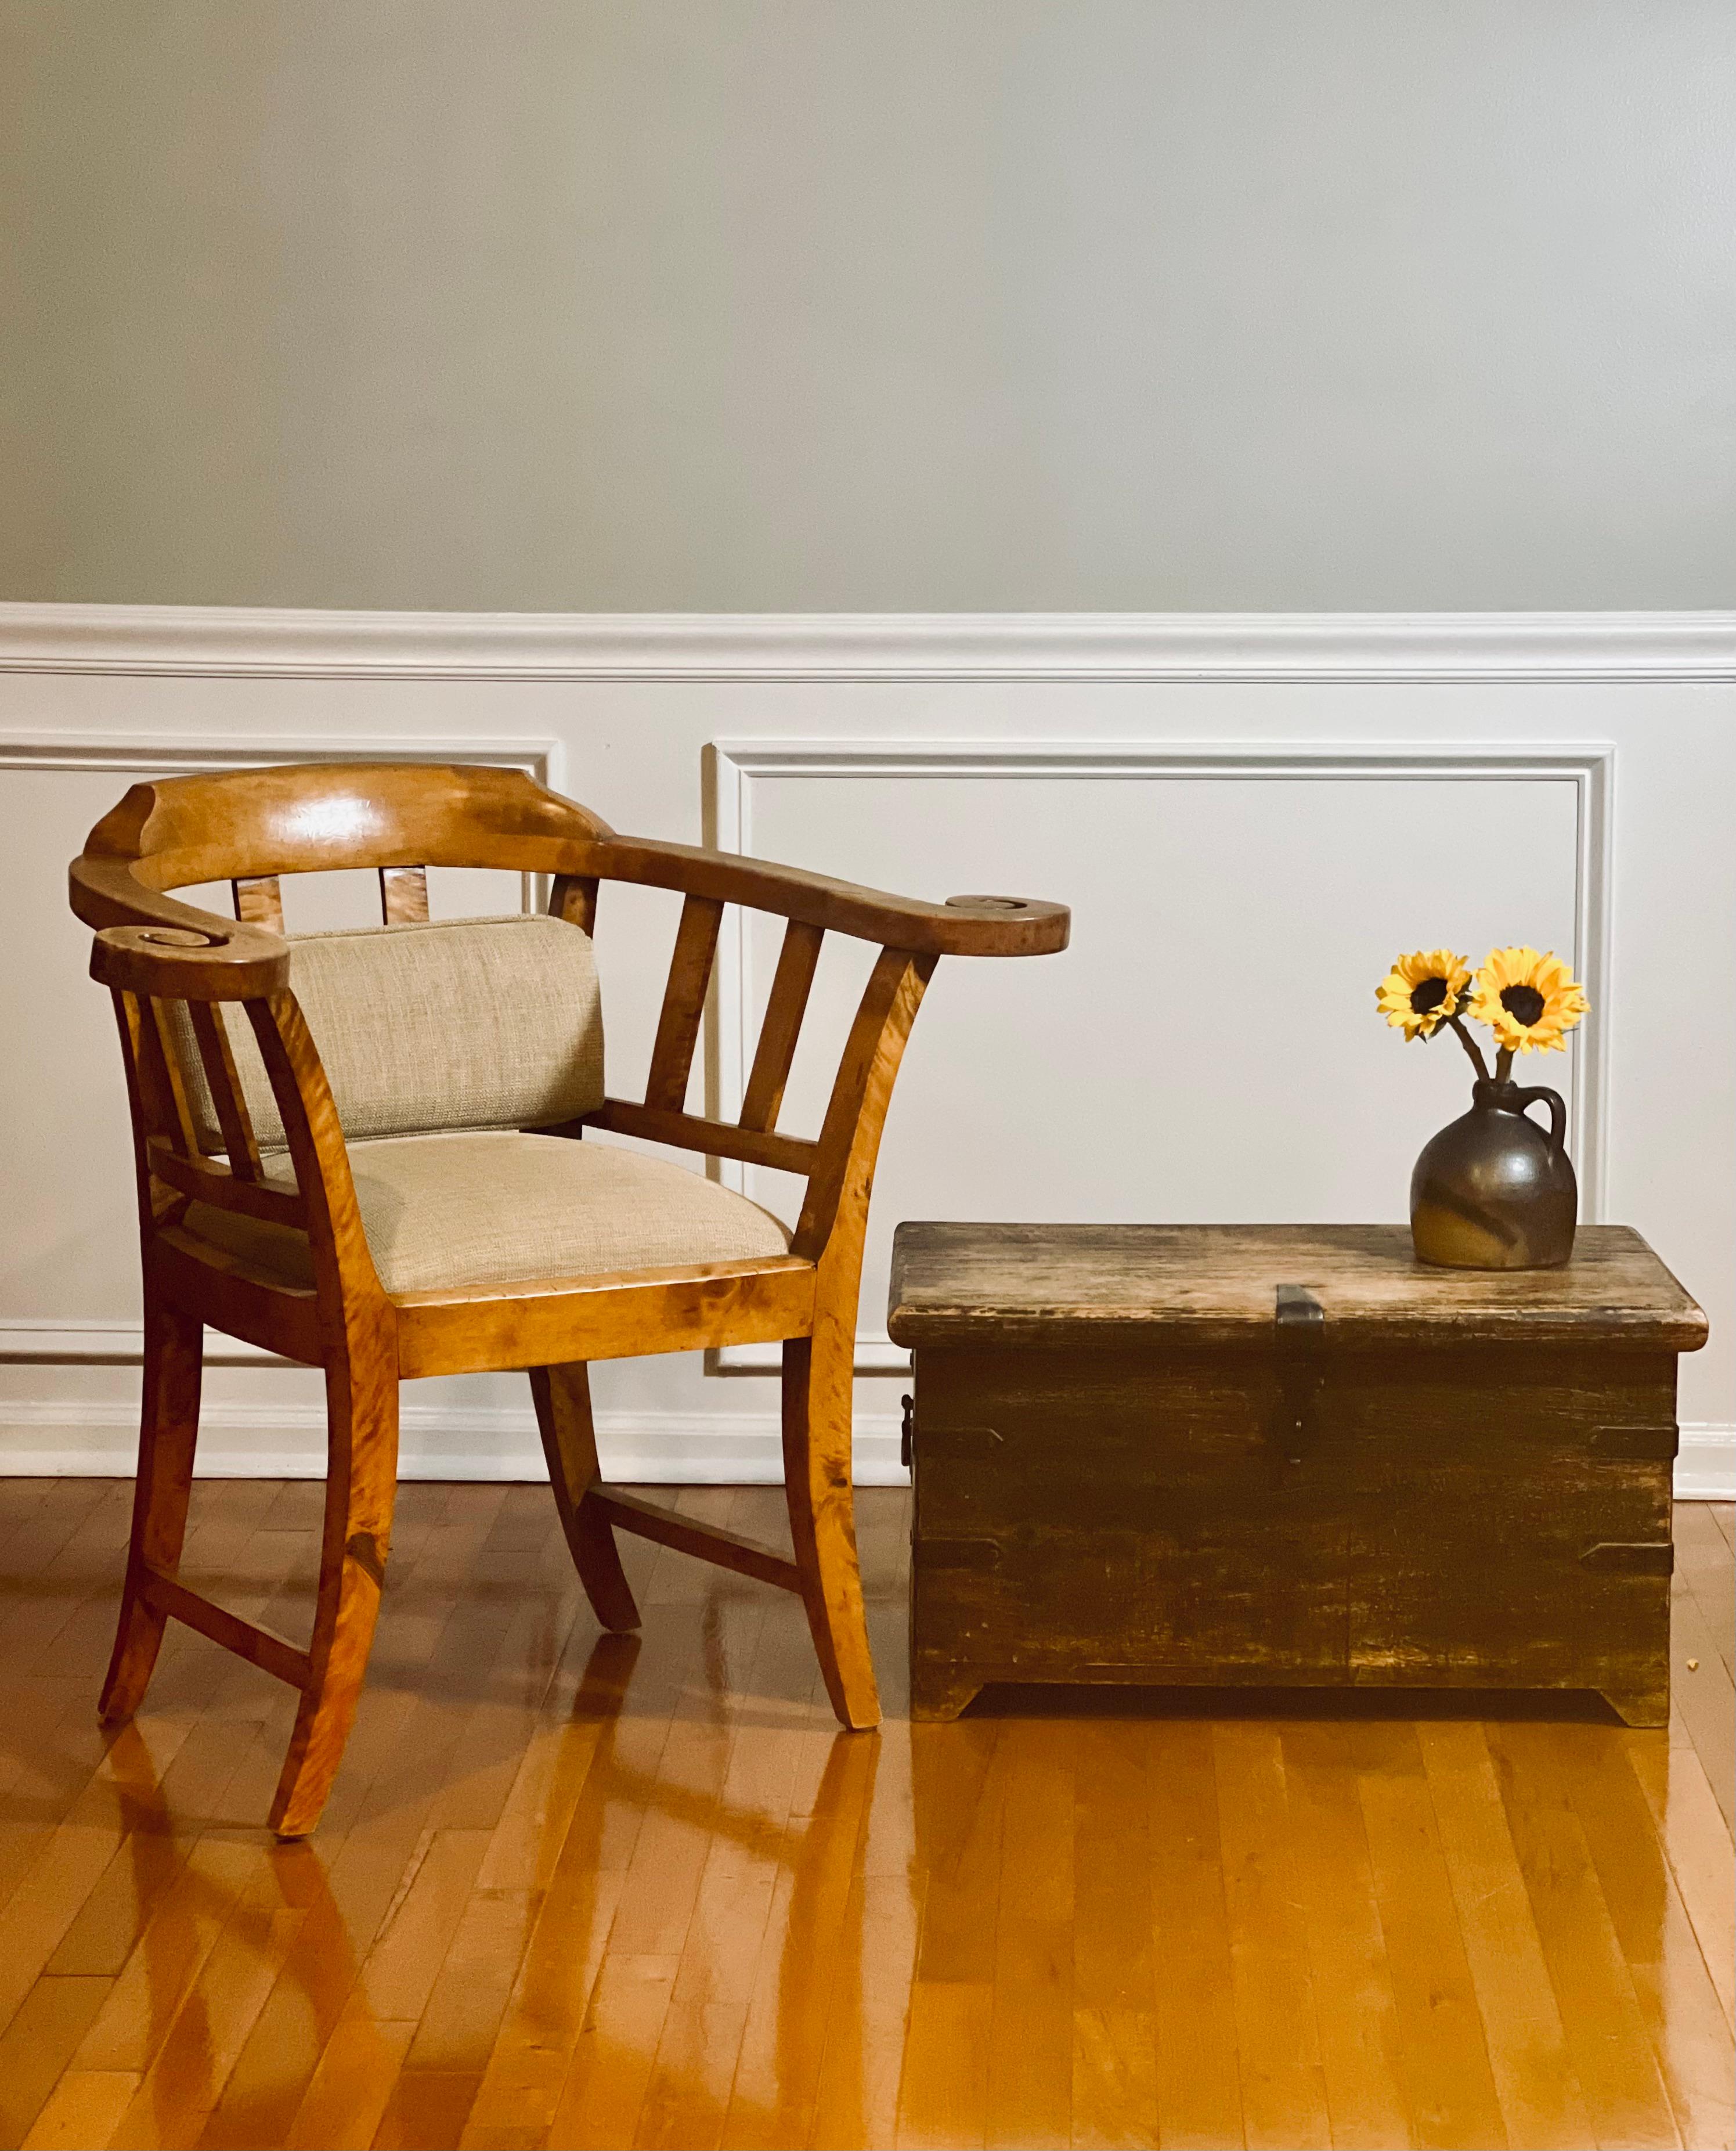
(453, 1213)
(467, 1023)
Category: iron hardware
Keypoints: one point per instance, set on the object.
(1631, 1558)
(1637, 1445)
(1299, 1322)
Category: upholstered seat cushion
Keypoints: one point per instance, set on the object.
(462, 1022)
(453, 1212)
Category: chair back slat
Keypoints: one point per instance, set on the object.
(781, 1028)
(404, 895)
(573, 897)
(228, 1097)
(162, 1085)
(684, 1003)
(258, 902)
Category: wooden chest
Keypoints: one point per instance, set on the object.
(1287, 1456)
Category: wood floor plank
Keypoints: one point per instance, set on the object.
(171, 1950)
(367, 1851)
(345, 2097)
(809, 1966)
(620, 1720)
(686, 2099)
(205, 2038)
(1359, 2032)
(1284, 2087)
(1606, 2034)
(943, 2094)
(1199, 2090)
(545, 2016)
(598, 2109)
(1677, 2000)
(38, 2047)
(640, 1890)
(1534, 2077)
(81, 2111)
(1114, 2072)
(1702, 1560)
(1449, 2079)
(1701, 1690)
(457, 2031)
(856, 2098)
(1031, 2023)
(1115, 2079)
(426, 2111)
(75, 1856)
(1696, 1841)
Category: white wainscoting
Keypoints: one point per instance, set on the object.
(1248, 814)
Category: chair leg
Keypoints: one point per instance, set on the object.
(361, 1477)
(818, 1377)
(563, 1398)
(168, 1432)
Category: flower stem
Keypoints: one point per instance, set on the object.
(1504, 1065)
(1470, 1046)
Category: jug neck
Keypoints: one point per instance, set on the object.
(1489, 1096)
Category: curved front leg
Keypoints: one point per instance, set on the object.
(818, 1375)
(361, 1403)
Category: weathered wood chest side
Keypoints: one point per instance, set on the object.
(1133, 1501)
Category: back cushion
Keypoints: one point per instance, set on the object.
(471, 1023)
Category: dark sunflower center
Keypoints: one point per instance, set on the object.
(1427, 997)
(1524, 1004)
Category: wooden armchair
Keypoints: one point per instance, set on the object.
(447, 1234)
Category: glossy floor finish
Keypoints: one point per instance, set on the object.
(579, 1891)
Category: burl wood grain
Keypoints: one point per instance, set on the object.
(325, 1305)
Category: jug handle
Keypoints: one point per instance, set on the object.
(1558, 1114)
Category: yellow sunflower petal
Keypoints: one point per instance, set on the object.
(1395, 994)
(1561, 1001)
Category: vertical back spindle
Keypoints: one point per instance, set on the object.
(258, 902)
(161, 1082)
(780, 1030)
(684, 1002)
(404, 895)
(225, 1084)
(573, 897)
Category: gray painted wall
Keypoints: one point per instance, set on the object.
(895, 304)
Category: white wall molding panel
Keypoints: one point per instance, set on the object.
(1249, 814)
(226, 642)
(739, 768)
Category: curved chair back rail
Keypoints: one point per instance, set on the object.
(272, 1244)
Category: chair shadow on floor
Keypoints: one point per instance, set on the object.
(291, 1928)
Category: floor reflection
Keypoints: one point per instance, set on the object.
(638, 1890)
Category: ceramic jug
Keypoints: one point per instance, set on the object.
(1493, 1191)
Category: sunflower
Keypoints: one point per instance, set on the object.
(1421, 990)
(1528, 1000)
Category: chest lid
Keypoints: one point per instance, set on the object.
(1217, 1285)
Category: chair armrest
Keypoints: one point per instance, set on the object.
(147, 942)
(189, 964)
(962, 926)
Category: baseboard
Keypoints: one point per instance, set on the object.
(1706, 1464)
(41, 1439)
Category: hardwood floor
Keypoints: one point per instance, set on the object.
(579, 1890)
